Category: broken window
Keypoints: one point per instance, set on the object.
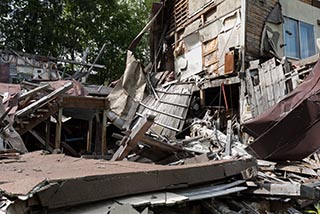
(299, 39)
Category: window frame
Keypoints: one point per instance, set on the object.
(299, 37)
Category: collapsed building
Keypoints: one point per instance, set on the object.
(229, 82)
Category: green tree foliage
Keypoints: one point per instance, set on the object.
(67, 27)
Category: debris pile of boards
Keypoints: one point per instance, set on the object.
(193, 150)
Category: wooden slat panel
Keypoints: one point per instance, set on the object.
(179, 14)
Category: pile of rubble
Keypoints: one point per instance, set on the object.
(154, 142)
(191, 157)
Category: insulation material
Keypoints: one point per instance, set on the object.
(128, 92)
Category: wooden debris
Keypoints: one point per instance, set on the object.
(133, 139)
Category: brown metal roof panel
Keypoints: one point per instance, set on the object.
(288, 131)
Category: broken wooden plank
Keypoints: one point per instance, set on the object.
(52, 107)
(297, 169)
(71, 150)
(136, 135)
(159, 145)
(40, 139)
(161, 112)
(287, 189)
(44, 100)
(33, 91)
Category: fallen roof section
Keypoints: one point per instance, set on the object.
(61, 181)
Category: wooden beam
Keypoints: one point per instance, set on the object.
(98, 134)
(307, 61)
(135, 136)
(33, 91)
(58, 129)
(202, 97)
(70, 149)
(85, 102)
(48, 132)
(33, 122)
(44, 100)
(159, 145)
(40, 139)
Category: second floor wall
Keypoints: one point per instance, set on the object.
(282, 28)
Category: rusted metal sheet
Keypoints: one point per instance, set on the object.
(290, 129)
(229, 62)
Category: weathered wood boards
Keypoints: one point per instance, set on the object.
(268, 87)
(170, 110)
(44, 100)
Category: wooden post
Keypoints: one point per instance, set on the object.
(229, 138)
(48, 125)
(104, 133)
(58, 129)
(89, 135)
(202, 97)
(97, 142)
(130, 142)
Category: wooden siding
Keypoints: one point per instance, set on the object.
(307, 1)
(256, 14)
(179, 14)
(315, 3)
